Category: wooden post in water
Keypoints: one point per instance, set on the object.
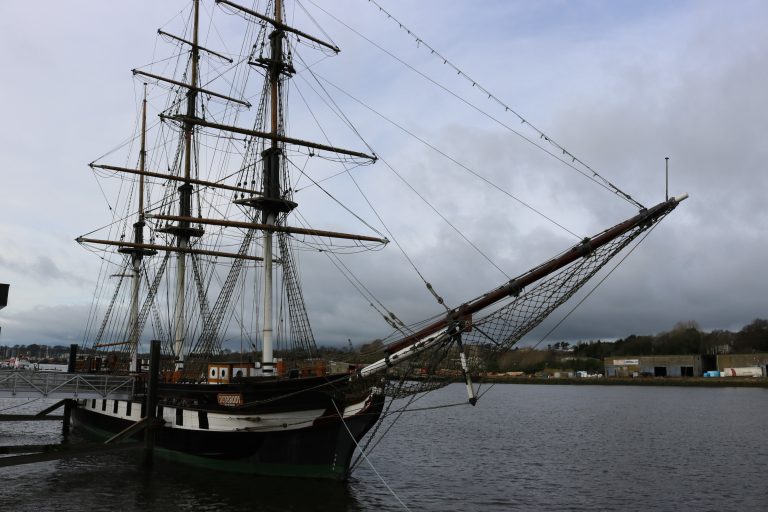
(152, 381)
(71, 367)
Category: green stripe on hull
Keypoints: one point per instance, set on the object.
(95, 432)
(244, 466)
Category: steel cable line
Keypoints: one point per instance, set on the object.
(596, 177)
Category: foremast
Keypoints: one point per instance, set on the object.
(271, 203)
(272, 161)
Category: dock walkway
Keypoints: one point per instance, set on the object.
(30, 384)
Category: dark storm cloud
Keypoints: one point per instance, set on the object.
(693, 94)
(51, 325)
(41, 268)
(621, 90)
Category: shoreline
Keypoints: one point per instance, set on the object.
(707, 382)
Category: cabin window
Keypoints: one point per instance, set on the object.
(93, 403)
(180, 416)
(114, 406)
(128, 408)
(213, 372)
(223, 372)
(239, 373)
(103, 405)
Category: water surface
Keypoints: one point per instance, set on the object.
(524, 447)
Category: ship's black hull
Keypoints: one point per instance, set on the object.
(319, 448)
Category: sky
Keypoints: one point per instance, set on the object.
(619, 84)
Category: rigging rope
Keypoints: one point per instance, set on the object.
(385, 413)
(447, 156)
(301, 329)
(594, 288)
(357, 284)
(595, 175)
(341, 417)
(349, 123)
(443, 217)
(209, 341)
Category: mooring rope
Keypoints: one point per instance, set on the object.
(341, 417)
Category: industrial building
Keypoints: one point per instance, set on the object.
(653, 366)
(728, 362)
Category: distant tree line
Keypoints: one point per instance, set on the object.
(685, 338)
(36, 352)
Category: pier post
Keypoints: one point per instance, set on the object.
(71, 367)
(152, 381)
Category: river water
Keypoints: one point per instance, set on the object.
(524, 447)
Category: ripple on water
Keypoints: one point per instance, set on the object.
(524, 447)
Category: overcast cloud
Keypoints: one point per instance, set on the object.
(620, 84)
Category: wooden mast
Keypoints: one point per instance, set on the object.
(139, 238)
(273, 227)
(271, 158)
(183, 231)
(270, 201)
(171, 177)
(138, 249)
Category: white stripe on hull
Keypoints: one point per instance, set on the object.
(220, 421)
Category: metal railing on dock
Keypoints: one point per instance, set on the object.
(71, 386)
(27, 384)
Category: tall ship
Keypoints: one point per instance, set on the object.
(202, 249)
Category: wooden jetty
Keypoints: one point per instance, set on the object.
(71, 386)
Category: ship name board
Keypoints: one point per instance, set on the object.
(230, 399)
